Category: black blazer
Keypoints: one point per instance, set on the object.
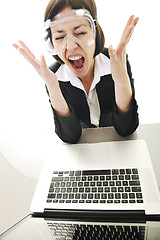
(69, 128)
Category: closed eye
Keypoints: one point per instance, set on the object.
(59, 38)
(81, 33)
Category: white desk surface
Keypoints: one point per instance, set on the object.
(16, 188)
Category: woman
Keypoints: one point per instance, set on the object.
(89, 85)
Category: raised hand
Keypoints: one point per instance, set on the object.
(118, 56)
(57, 99)
(39, 65)
(123, 90)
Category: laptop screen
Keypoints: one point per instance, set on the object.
(42, 229)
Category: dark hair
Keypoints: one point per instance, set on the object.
(55, 6)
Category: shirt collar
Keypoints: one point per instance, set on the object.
(101, 68)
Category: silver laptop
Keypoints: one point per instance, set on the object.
(48, 229)
(107, 176)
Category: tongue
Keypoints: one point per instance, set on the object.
(78, 63)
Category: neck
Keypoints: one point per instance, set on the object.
(88, 79)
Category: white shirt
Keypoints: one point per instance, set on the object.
(101, 68)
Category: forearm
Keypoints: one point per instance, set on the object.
(57, 100)
(123, 94)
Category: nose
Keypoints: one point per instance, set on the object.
(70, 44)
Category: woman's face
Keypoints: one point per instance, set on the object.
(79, 58)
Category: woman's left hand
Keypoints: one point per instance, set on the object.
(118, 56)
(123, 90)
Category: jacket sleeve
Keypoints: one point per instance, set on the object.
(127, 123)
(67, 128)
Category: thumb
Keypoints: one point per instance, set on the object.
(43, 62)
(111, 52)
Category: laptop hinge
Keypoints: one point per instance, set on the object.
(94, 215)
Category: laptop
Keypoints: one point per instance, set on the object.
(113, 178)
(51, 228)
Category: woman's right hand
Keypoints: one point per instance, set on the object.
(50, 79)
(39, 65)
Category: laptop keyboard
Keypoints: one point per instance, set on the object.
(67, 231)
(96, 186)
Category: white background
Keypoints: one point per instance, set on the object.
(26, 121)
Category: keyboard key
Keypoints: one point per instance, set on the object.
(72, 178)
(94, 190)
(136, 189)
(92, 184)
(127, 189)
(90, 178)
(122, 171)
(78, 173)
(134, 183)
(135, 177)
(113, 189)
(125, 195)
(90, 196)
(127, 177)
(84, 196)
(132, 201)
(77, 196)
(100, 189)
(108, 178)
(114, 177)
(111, 183)
(139, 195)
(81, 189)
(99, 183)
(71, 173)
(102, 178)
(125, 183)
(95, 201)
(86, 184)
(75, 190)
(128, 171)
(96, 172)
(115, 171)
(120, 189)
(103, 196)
(107, 189)
(135, 171)
(121, 177)
(105, 183)
(131, 195)
(110, 196)
(53, 195)
(87, 190)
(117, 196)
(97, 196)
(58, 179)
(96, 178)
(80, 184)
(118, 183)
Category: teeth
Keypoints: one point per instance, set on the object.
(75, 58)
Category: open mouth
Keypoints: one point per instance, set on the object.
(77, 62)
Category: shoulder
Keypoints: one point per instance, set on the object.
(105, 52)
(55, 66)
